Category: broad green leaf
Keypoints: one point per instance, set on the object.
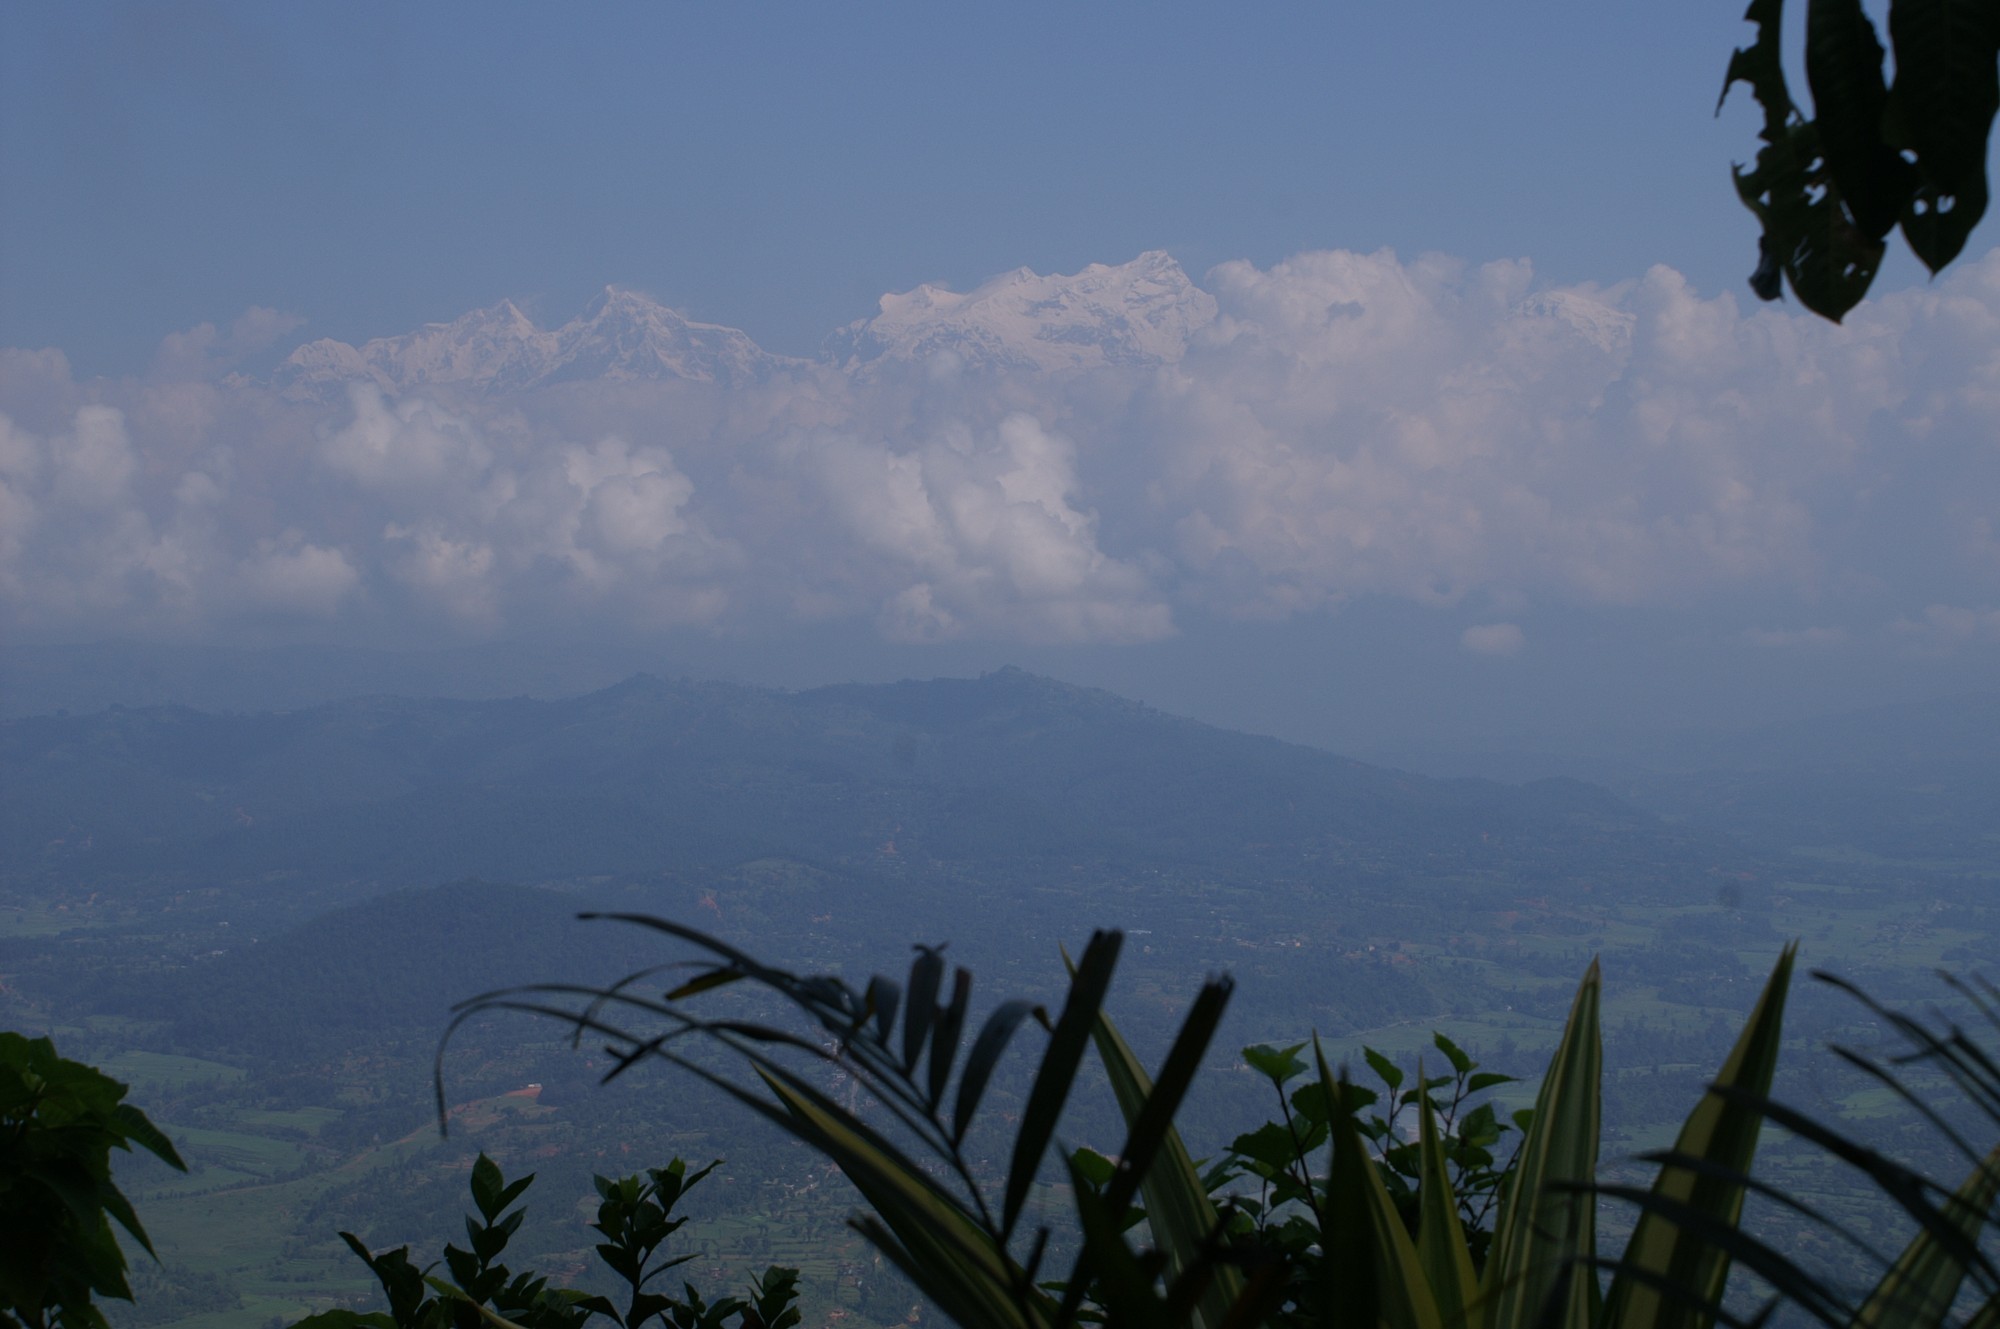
(1275, 1064)
(1920, 1287)
(487, 1182)
(1271, 1146)
(347, 1320)
(142, 1132)
(1548, 1220)
(1460, 1062)
(1385, 1070)
(459, 1296)
(1441, 1244)
(1723, 1131)
(120, 1210)
(1122, 1283)
(1309, 1101)
(1092, 1166)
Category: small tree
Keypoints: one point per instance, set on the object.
(59, 1122)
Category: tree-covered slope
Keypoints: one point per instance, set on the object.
(649, 776)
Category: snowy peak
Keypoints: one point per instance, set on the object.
(622, 335)
(1603, 326)
(486, 347)
(1139, 313)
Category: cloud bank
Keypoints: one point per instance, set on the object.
(1085, 458)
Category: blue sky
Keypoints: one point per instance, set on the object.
(1449, 414)
(777, 167)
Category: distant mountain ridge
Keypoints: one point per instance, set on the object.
(649, 775)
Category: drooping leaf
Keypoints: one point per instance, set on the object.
(137, 1129)
(945, 1035)
(883, 996)
(1057, 1071)
(952, 1258)
(1920, 1287)
(706, 982)
(1941, 108)
(926, 976)
(1844, 70)
(1807, 234)
(985, 1055)
(1908, 1189)
(1809, 1291)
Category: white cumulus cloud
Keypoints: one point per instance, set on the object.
(1291, 438)
(1493, 639)
(983, 531)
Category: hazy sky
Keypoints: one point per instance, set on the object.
(1462, 420)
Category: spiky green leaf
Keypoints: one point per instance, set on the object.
(1919, 1288)
(1372, 1268)
(1548, 1221)
(1057, 1072)
(1442, 1249)
(1178, 1210)
(1723, 1131)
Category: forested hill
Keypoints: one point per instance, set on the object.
(652, 775)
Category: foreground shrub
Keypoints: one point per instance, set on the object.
(1377, 1235)
(635, 1217)
(59, 1122)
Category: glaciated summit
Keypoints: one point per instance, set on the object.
(485, 348)
(621, 336)
(1140, 313)
(1137, 313)
(1586, 318)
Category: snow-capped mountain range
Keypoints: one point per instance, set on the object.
(621, 336)
(1138, 313)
